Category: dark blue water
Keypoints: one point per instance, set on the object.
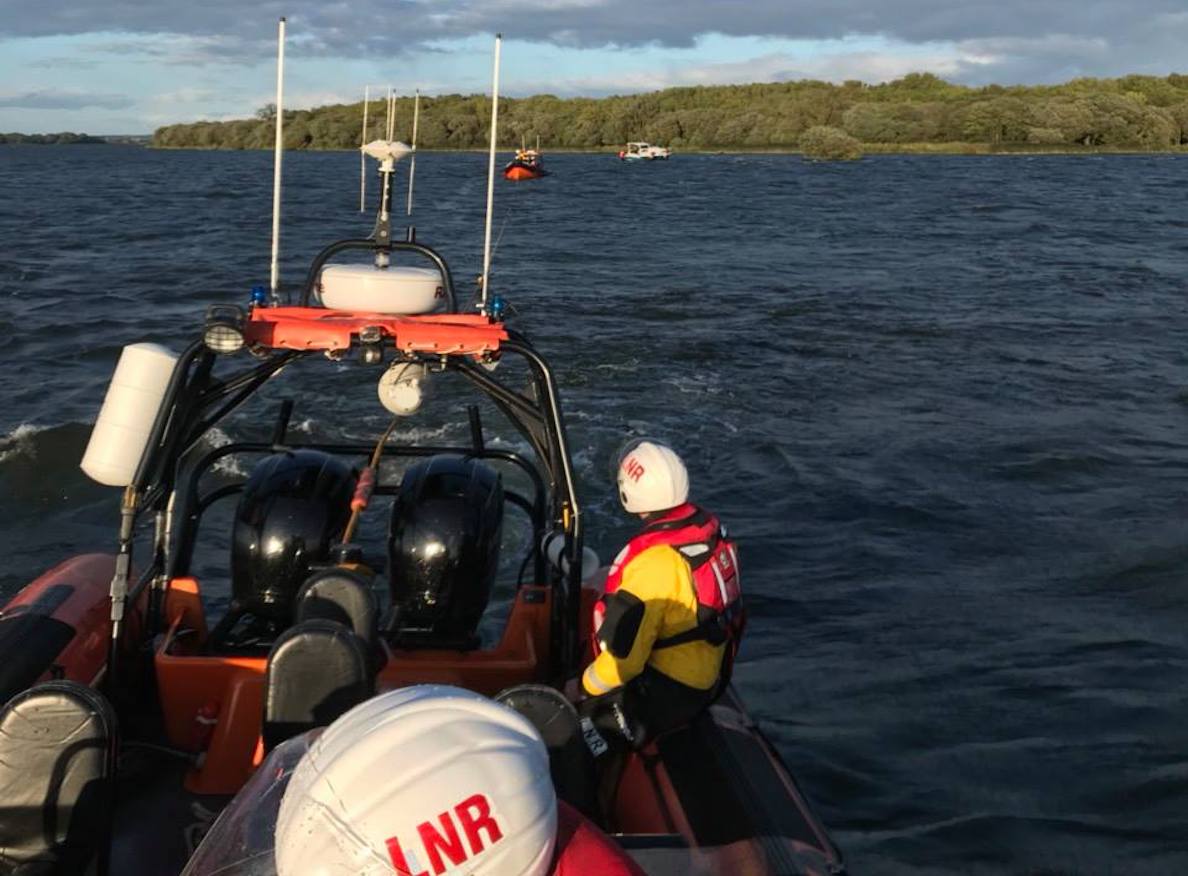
(942, 401)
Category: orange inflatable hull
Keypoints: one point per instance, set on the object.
(520, 172)
(59, 625)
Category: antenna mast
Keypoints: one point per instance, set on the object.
(362, 154)
(412, 163)
(279, 149)
(490, 176)
(386, 198)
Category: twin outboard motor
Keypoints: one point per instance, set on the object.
(294, 506)
(443, 548)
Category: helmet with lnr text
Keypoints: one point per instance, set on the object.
(430, 778)
(651, 477)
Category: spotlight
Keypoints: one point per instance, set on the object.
(371, 340)
(223, 331)
(402, 388)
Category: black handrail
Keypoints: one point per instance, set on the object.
(571, 651)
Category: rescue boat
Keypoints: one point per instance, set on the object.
(526, 165)
(139, 700)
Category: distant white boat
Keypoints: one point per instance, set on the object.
(644, 152)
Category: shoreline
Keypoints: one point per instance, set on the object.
(1025, 149)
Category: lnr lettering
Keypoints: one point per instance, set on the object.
(441, 841)
(633, 469)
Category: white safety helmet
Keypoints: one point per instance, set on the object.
(651, 477)
(427, 779)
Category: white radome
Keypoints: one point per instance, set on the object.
(396, 290)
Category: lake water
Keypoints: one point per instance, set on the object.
(941, 401)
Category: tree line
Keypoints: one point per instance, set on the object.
(64, 137)
(1139, 112)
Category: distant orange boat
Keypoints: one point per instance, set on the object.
(526, 165)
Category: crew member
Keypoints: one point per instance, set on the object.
(420, 781)
(669, 624)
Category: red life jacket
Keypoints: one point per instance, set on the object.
(713, 560)
(584, 850)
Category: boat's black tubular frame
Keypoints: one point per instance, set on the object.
(243, 386)
(319, 262)
(166, 412)
(193, 390)
(528, 507)
(167, 416)
(194, 503)
(572, 527)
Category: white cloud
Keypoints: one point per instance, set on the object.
(62, 99)
(831, 66)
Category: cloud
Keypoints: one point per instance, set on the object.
(837, 65)
(64, 100)
(186, 50)
(397, 25)
(1007, 41)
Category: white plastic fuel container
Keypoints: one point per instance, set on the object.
(126, 419)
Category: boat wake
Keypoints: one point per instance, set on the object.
(19, 442)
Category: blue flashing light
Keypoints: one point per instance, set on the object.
(259, 296)
(498, 307)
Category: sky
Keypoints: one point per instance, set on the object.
(130, 66)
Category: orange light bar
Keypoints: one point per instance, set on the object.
(318, 328)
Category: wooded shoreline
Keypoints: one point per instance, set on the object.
(918, 113)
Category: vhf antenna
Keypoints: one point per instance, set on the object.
(412, 162)
(490, 178)
(278, 151)
(362, 154)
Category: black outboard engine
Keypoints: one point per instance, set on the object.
(443, 550)
(294, 506)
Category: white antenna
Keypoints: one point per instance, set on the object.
(490, 176)
(362, 154)
(276, 170)
(391, 113)
(412, 162)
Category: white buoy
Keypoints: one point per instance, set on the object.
(126, 419)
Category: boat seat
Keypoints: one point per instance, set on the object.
(662, 854)
(57, 778)
(316, 671)
(343, 596)
(570, 762)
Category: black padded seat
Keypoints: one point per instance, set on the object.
(343, 596)
(58, 744)
(316, 671)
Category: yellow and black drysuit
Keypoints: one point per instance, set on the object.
(666, 626)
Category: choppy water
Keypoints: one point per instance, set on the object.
(942, 401)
